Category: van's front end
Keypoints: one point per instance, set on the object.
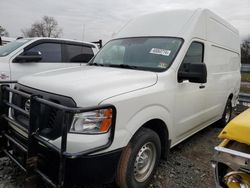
(74, 130)
(44, 134)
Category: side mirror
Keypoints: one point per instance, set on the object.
(193, 72)
(26, 57)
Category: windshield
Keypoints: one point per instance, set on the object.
(10, 47)
(144, 53)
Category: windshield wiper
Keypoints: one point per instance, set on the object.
(126, 66)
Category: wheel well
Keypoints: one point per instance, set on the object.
(230, 96)
(160, 128)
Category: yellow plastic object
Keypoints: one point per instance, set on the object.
(238, 129)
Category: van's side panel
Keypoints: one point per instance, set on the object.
(221, 33)
(223, 78)
(196, 108)
(223, 65)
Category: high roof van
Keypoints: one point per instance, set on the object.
(161, 79)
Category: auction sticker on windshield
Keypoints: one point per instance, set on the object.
(159, 51)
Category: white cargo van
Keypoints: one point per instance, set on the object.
(31, 55)
(161, 79)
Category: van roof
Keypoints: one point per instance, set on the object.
(167, 23)
(186, 24)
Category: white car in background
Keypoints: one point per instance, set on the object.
(31, 55)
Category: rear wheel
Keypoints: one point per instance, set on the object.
(139, 160)
(227, 114)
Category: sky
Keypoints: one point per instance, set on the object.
(91, 20)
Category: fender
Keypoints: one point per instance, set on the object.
(124, 131)
(144, 115)
(137, 108)
(149, 113)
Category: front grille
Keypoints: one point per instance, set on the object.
(51, 118)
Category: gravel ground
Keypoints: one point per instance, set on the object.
(188, 164)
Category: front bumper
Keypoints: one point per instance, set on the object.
(92, 169)
(37, 156)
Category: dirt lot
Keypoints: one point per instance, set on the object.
(188, 165)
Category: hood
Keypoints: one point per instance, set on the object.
(90, 85)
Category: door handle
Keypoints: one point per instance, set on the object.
(202, 86)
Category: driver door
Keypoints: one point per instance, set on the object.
(190, 97)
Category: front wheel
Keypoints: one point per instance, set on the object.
(139, 160)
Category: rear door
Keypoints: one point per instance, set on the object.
(51, 53)
(76, 54)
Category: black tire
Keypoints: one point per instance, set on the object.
(128, 172)
(227, 114)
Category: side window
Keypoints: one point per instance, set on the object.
(77, 53)
(195, 53)
(51, 52)
(192, 68)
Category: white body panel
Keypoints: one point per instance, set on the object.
(14, 71)
(6, 40)
(108, 82)
(141, 96)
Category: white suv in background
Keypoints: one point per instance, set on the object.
(31, 55)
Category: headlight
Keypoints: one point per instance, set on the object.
(98, 121)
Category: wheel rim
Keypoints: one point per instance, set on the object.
(228, 114)
(145, 162)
